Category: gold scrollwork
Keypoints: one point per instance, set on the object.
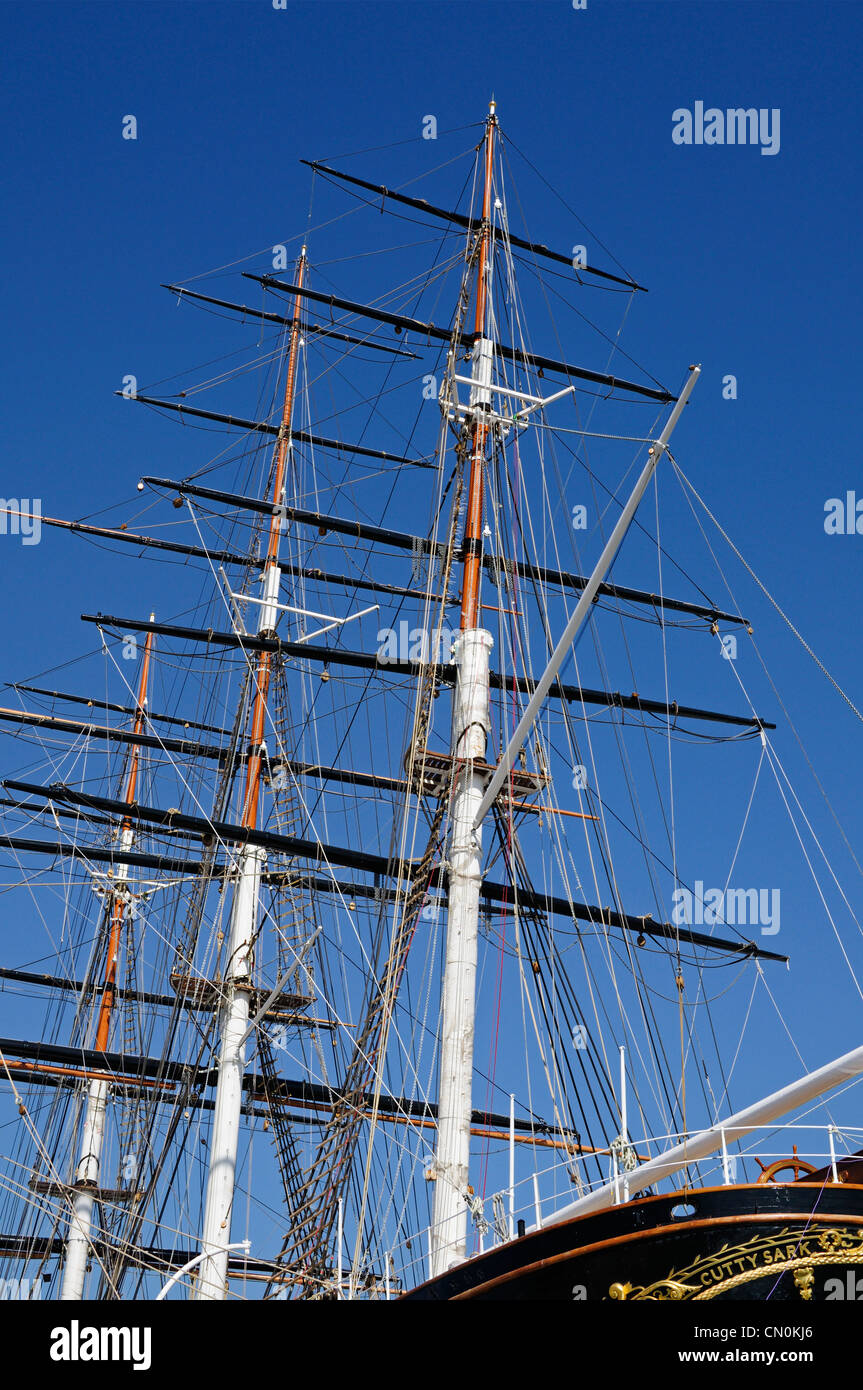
(804, 1282)
(732, 1266)
(663, 1291)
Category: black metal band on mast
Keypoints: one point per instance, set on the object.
(264, 427)
(337, 656)
(471, 224)
(430, 331)
(403, 540)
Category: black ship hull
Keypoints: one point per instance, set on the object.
(798, 1242)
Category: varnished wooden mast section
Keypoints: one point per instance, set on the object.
(470, 599)
(118, 910)
(262, 684)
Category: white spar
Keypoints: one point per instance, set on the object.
(585, 603)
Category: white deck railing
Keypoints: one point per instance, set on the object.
(535, 1200)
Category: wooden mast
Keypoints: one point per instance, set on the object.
(470, 726)
(470, 597)
(272, 572)
(118, 912)
(212, 1283)
(92, 1136)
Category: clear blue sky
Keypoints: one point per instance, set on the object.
(752, 264)
(751, 260)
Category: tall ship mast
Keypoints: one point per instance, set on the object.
(346, 995)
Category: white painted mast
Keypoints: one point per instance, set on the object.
(473, 794)
(87, 1172)
(470, 726)
(212, 1279)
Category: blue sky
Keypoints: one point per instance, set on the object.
(749, 259)
(751, 263)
